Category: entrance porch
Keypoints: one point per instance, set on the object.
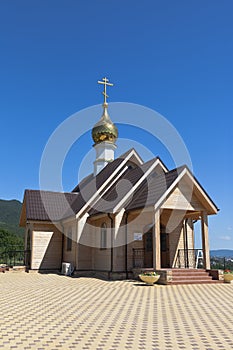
(168, 248)
(169, 242)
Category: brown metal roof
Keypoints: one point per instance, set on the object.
(47, 206)
(83, 182)
(88, 190)
(135, 154)
(55, 206)
(119, 190)
(104, 173)
(153, 189)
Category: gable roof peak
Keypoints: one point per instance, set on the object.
(132, 153)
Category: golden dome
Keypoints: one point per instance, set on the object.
(104, 130)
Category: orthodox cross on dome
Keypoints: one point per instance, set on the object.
(106, 83)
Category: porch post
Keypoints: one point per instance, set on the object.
(205, 240)
(76, 245)
(156, 241)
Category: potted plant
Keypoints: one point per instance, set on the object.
(228, 276)
(149, 277)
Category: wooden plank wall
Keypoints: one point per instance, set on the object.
(46, 249)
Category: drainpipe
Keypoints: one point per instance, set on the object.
(111, 219)
(126, 246)
(62, 245)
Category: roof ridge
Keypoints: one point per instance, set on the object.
(181, 167)
(127, 153)
(178, 170)
(149, 161)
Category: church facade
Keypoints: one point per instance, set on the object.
(128, 215)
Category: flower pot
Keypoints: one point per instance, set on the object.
(149, 279)
(228, 277)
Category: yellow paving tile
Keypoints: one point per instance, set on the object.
(49, 312)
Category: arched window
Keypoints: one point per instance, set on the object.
(103, 236)
(69, 241)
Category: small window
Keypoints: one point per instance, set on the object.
(69, 241)
(103, 236)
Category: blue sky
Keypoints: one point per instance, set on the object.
(175, 57)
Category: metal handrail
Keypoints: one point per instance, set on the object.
(189, 258)
(138, 257)
(15, 257)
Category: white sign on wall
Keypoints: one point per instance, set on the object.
(137, 236)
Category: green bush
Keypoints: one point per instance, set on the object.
(10, 241)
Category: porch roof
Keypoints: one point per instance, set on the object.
(159, 188)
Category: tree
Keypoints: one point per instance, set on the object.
(10, 241)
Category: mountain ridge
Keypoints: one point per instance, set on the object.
(221, 253)
(10, 211)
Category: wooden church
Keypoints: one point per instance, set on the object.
(125, 217)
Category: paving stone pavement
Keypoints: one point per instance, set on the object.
(46, 311)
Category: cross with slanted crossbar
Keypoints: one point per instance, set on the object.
(106, 83)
